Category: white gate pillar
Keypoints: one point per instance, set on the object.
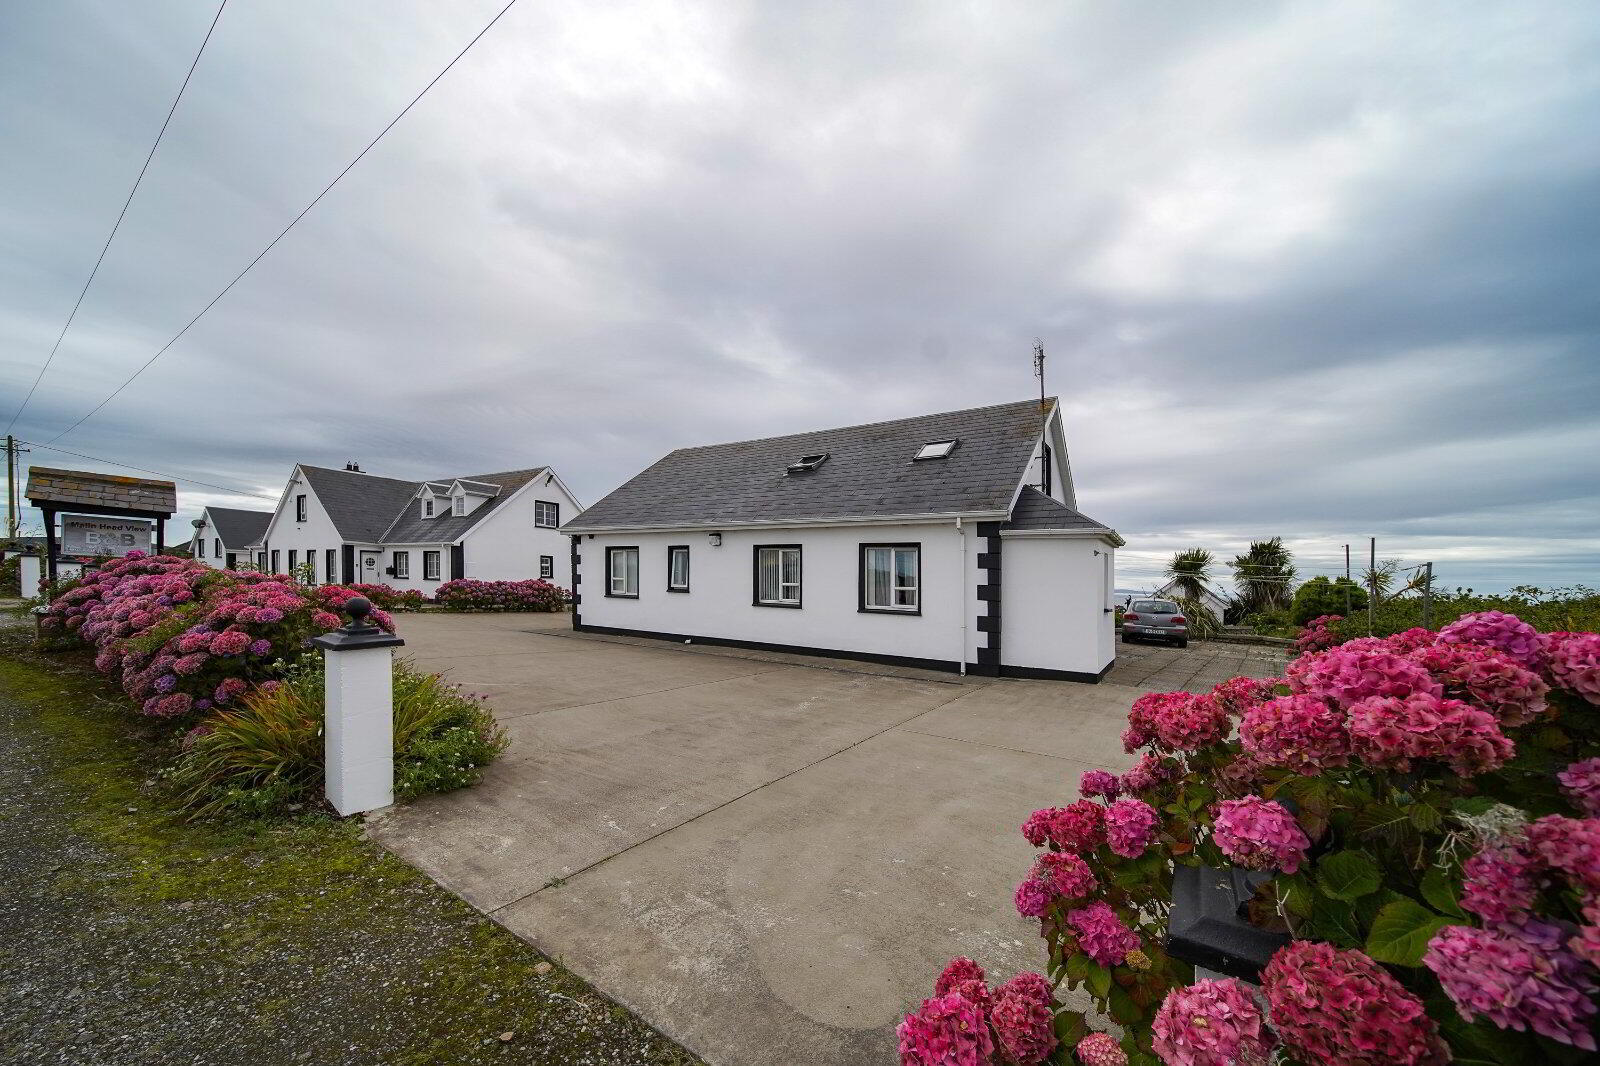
(358, 730)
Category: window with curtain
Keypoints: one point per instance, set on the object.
(891, 577)
(622, 565)
(331, 572)
(401, 562)
(430, 566)
(778, 576)
(678, 568)
(274, 560)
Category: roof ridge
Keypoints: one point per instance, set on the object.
(363, 473)
(866, 425)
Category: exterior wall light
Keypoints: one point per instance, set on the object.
(716, 540)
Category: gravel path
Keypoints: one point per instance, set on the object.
(131, 937)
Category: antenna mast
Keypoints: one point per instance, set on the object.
(1044, 448)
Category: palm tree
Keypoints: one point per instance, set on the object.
(1188, 572)
(1264, 576)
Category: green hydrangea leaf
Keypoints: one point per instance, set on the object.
(1439, 888)
(1401, 931)
(1348, 875)
(1099, 980)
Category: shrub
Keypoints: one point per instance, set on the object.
(1201, 623)
(466, 594)
(389, 598)
(1572, 609)
(1320, 596)
(1424, 813)
(11, 576)
(267, 753)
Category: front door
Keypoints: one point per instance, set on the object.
(369, 567)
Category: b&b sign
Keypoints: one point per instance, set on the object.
(81, 535)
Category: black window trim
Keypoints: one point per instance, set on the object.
(861, 579)
(546, 525)
(330, 558)
(394, 564)
(688, 564)
(755, 576)
(610, 548)
(273, 556)
(547, 568)
(437, 565)
(300, 511)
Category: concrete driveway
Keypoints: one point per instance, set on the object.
(768, 857)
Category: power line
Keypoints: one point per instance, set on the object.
(120, 216)
(147, 470)
(294, 222)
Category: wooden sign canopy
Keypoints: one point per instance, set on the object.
(55, 492)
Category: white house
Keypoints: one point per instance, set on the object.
(1210, 598)
(949, 541)
(348, 526)
(224, 537)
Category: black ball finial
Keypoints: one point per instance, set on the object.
(358, 607)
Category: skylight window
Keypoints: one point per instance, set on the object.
(807, 462)
(938, 449)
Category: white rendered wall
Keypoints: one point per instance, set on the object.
(1054, 594)
(718, 603)
(506, 545)
(317, 533)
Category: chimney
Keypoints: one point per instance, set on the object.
(353, 466)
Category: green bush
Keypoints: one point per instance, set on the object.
(11, 576)
(1573, 609)
(1321, 596)
(267, 753)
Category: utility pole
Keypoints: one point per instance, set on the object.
(1427, 596)
(1347, 582)
(11, 487)
(1372, 581)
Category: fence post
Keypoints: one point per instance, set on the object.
(358, 732)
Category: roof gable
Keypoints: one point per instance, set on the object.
(409, 527)
(360, 505)
(1034, 511)
(871, 472)
(238, 528)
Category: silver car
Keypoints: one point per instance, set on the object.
(1155, 620)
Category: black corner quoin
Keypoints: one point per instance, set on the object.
(577, 579)
(989, 593)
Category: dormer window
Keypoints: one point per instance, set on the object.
(458, 505)
(807, 463)
(936, 449)
(427, 508)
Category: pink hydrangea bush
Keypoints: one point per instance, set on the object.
(964, 1024)
(1024, 1019)
(534, 594)
(1212, 1023)
(947, 1030)
(1318, 634)
(1413, 802)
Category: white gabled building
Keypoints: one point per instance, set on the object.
(949, 541)
(224, 537)
(349, 526)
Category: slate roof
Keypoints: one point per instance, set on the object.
(1036, 511)
(409, 527)
(366, 508)
(66, 490)
(870, 473)
(238, 529)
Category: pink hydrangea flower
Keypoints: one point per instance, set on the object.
(1301, 733)
(1317, 635)
(1147, 773)
(1179, 721)
(1100, 783)
(1077, 827)
(1347, 675)
(1586, 944)
(175, 704)
(1581, 783)
(947, 1030)
(233, 642)
(1023, 1019)
(1212, 1023)
(1033, 898)
(324, 620)
(1498, 630)
(1341, 1006)
(1238, 694)
(1100, 1049)
(190, 664)
(1573, 662)
(260, 646)
(1130, 826)
(1570, 846)
(1259, 834)
(1065, 873)
(1411, 640)
(1519, 977)
(1393, 732)
(1486, 677)
(1101, 934)
(1500, 883)
(959, 969)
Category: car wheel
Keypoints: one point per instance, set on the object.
(1126, 639)
(1184, 643)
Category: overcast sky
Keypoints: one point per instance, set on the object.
(1317, 270)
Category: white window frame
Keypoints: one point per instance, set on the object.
(539, 510)
(427, 507)
(784, 598)
(623, 586)
(937, 449)
(673, 552)
(430, 566)
(895, 553)
(458, 505)
(401, 562)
